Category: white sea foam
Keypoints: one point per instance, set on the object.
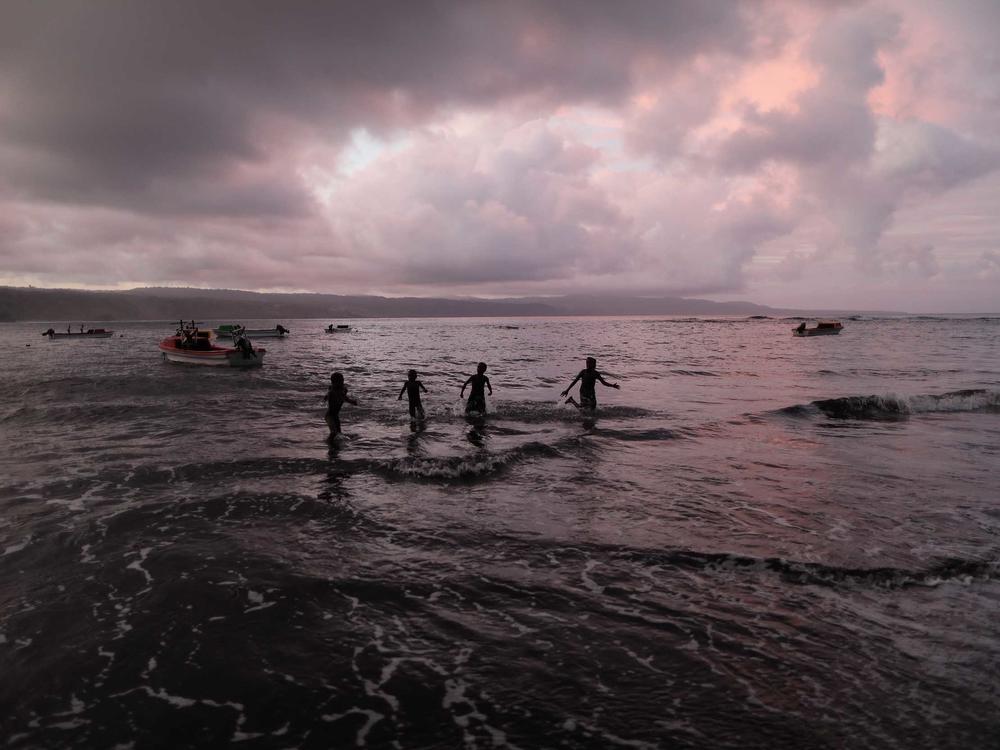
(137, 564)
(372, 718)
(11, 549)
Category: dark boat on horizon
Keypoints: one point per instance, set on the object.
(822, 328)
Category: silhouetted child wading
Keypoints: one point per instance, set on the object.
(477, 398)
(335, 397)
(588, 378)
(412, 388)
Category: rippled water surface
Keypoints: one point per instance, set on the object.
(761, 542)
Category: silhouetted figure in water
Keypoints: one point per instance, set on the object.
(477, 398)
(336, 397)
(588, 378)
(242, 343)
(412, 388)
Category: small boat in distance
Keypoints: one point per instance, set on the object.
(822, 328)
(194, 347)
(90, 333)
(228, 331)
(342, 328)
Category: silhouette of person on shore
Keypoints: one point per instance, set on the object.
(477, 397)
(412, 388)
(335, 397)
(588, 379)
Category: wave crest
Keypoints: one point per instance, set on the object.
(471, 466)
(893, 406)
(819, 574)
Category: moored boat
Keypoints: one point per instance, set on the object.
(822, 328)
(229, 331)
(90, 333)
(194, 347)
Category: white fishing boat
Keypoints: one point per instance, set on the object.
(342, 328)
(228, 332)
(90, 333)
(194, 347)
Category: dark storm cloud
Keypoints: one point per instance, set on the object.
(110, 102)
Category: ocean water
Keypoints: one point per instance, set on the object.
(762, 541)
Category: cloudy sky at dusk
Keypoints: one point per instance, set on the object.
(827, 154)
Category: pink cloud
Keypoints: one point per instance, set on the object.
(682, 147)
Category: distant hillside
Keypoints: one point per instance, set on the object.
(17, 303)
(159, 303)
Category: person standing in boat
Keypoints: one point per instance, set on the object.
(477, 397)
(412, 388)
(588, 379)
(335, 398)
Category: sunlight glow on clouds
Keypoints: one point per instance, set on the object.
(829, 154)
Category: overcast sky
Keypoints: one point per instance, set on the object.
(827, 154)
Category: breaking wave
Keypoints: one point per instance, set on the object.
(900, 407)
(942, 571)
(471, 466)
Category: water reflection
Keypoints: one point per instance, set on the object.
(414, 444)
(477, 434)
